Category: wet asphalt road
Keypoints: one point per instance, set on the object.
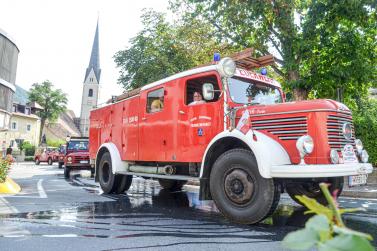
(52, 213)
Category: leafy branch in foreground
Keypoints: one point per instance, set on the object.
(326, 230)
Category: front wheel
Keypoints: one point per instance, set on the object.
(67, 171)
(60, 165)
(112, 183)
(37, 162)
(49, 161)
(313, 191)
(239, 191)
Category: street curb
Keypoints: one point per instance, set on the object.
(9, 187)
(359, 194)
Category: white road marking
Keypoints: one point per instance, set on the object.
(41, 191)
(6, 208)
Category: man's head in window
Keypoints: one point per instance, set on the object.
(197, 99)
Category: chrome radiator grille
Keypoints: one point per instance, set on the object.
(284, 128)
(335, 124)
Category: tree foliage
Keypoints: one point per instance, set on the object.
(52, 100)
(319, 45)
(162, 49)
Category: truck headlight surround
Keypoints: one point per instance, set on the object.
(359, 146)
(305, 145)
(334, 156)
(364, 156)
(227, 67)
(69, 159)
(347, 131)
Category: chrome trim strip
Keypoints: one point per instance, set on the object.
(300, 111)
(279, 126)
(289, 132)
(278, 120)
(293, 137)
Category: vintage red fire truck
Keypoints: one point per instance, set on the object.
(244, 144)
(77, 155)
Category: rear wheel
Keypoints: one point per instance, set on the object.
(312, 190)
(239, 191)
(60, 165)
(49, 161)
(172, 184)
(112, 183)
(37, 162)
(67, 171)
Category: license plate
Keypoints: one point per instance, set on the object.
(357, 180)
(349, 155)
(84, 162)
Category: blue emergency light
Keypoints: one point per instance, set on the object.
(216, 57)
(263, 71)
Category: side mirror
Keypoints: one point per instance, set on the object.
(208, 91)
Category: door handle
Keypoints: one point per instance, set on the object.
(181, 112)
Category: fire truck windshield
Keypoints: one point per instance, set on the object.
(78, 145)
(243, 91)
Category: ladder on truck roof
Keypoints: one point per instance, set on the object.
(243, 59)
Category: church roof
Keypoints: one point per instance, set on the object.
(94, 58)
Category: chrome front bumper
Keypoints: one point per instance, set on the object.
(315, 171)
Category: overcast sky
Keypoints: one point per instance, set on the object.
(55, 39)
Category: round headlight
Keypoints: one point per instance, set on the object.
(359, 146)
(334, 156)
(347, 131)
(69, 158)
(364, 156)
(227, 67)
(305, 145)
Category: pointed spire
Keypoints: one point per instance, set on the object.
(94, 58)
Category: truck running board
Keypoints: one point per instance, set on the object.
(161, 176)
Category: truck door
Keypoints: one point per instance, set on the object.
(154, 125)
(198, 121)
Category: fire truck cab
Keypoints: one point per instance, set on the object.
(243, 142)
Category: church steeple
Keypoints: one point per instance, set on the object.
(94, 59)
(90, 92)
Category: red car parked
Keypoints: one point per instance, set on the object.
(49, 155)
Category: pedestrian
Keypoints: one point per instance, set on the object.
(9, 156)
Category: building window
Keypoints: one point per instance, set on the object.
(27, 111)
(14, 108)
(90, 93)
(14, 126)
(28, 127)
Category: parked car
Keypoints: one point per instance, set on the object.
(77, 155)
(46, 154)
(62, 152)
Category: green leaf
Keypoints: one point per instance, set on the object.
(315, 207)
(321, 225)
(344, 230)
(346, 243)
(301, 239)
(351, 210)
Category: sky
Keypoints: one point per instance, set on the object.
(55, 39)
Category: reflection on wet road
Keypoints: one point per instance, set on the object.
(148, 217)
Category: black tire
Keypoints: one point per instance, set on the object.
(239, 191)
(173, 185)
(61, 165)
(37, 162)
(124, 183)
(312, 190)
(109, 182)
(49, 161)
(67, 171)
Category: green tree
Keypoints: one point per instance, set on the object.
(52, 100)
(162, 49)
(317, 44)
